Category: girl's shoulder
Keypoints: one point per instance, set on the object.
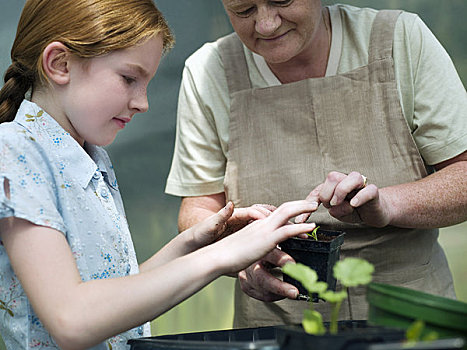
(14, 136)
(20, 149)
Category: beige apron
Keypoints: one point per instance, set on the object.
(285, 139)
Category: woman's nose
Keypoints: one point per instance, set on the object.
(267, 21)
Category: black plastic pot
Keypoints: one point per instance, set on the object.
(320, 255)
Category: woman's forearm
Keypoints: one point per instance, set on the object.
(437, 200)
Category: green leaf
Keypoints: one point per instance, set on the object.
(306, 276)
(313, 233)
(431, 336)
(319, 287)
(313, 322)
(353, 271)
(334, 297)
(414, 331)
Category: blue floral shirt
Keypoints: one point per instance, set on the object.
(55, 182)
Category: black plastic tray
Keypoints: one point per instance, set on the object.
(353, 335)
(271, 338)
(263, 338)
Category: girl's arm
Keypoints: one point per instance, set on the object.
(99, 309)
(198, 236)
(209, 228)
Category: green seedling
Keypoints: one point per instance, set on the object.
(312, 320)
(314, 233)
(350, 272)
(413, 334)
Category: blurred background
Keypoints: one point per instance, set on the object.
(142, 153)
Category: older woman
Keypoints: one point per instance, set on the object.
(308, 98)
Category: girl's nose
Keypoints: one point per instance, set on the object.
(267, 21)
(139, 102)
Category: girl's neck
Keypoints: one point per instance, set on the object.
(49, 103)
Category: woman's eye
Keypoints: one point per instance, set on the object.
(245, 13)
(282, 3)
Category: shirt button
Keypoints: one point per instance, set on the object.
(97, 175)
(140, 330)
(104, 193)
(128, 269)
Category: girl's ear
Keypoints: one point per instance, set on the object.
(55, 62)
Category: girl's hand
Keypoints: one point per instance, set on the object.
(225, 222)
(243, 216)
(256, 240)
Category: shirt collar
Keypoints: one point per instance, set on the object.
(76, 162)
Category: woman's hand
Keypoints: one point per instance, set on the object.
(259, 282)
(350, 199)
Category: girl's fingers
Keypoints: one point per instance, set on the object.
(289, 231)
(227, 211)
(265, 209)
(313, 197)
(215, 224)
(221, 217)
(290, 210)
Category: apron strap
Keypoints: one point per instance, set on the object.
(235, 66)
(382, 35)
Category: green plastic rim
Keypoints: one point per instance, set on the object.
(393, 303)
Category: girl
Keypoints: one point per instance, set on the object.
(68, 272)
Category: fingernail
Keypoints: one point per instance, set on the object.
(300, 218)
(292, 293)
(354, 202)
(333, 201)
(228, 206)
(315, 204)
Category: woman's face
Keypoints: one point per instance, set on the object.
(277, 30)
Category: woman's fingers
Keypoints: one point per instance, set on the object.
(328, 188)
(364, 196)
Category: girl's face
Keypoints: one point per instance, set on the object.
(104, 93)
(276, 30)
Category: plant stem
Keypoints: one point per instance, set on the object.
(350, 305)
(310, 302)
(334, 315)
